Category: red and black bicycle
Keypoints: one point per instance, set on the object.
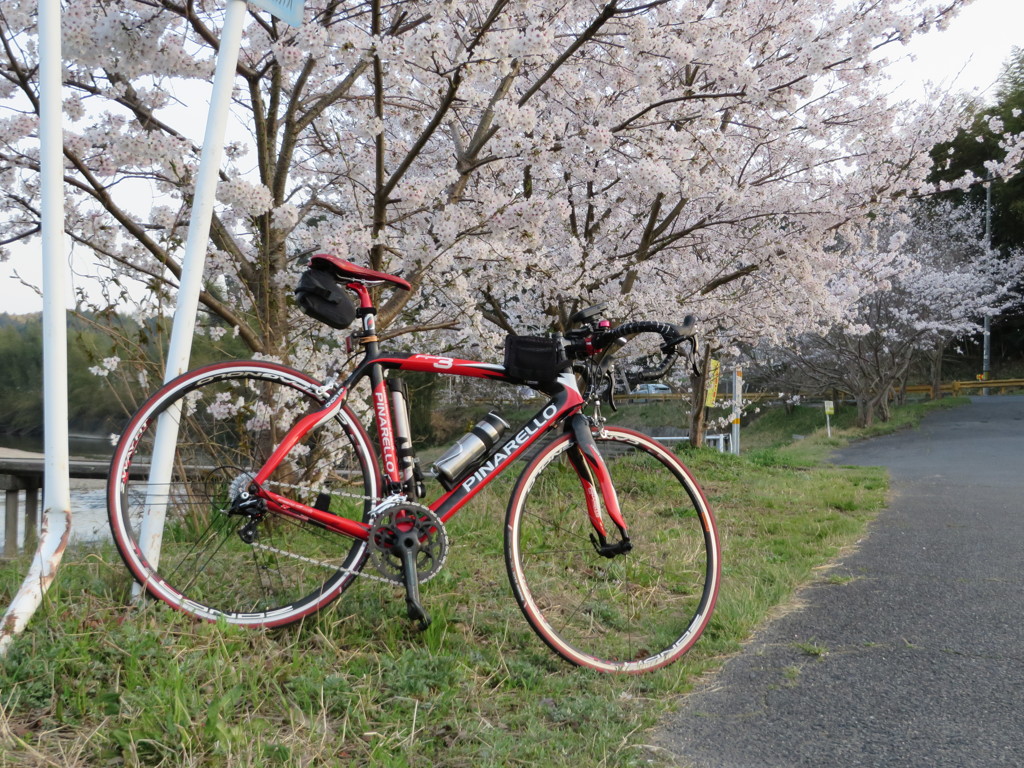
(275, 498)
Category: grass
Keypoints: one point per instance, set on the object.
(800, 438)
(93, 682)
(811, 648)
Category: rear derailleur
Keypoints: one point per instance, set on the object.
(252, 507)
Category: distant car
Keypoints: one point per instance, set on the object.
(652, 389)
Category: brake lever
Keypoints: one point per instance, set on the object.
(610, 376)
(607, 369)
(697, 372)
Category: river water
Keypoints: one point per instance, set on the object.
(88, 514)
(88, 497)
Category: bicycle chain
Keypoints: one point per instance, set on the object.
(279, 484)
(321, 563)
(376, 512)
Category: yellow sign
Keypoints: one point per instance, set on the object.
(829, 408)
(714, 375)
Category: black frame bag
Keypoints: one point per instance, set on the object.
(534, 358)
(319, 296)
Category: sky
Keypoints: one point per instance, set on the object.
(968, 56)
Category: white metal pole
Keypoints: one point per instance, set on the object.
(737, 409)
(56, 526)
(179, 350)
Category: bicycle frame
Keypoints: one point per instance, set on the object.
(566, 402)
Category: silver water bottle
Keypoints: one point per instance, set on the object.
(469, 449)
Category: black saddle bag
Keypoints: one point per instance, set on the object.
(319, 296)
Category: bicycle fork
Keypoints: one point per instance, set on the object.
(586, 459)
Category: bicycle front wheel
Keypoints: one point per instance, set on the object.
(180, 535)
(631, 612)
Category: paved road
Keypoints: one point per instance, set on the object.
(925, 643)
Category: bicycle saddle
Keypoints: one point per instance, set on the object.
(346, 270)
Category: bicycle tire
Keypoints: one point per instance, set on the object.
(633, 612)
(229, 418)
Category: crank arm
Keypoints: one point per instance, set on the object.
(410, 576)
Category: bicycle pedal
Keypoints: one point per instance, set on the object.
(417, 613)
(323, 502)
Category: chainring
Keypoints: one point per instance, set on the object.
(412, 526)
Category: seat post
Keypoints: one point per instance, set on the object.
(367, 312)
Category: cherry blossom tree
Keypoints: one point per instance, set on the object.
(935, 279)
(514, 159)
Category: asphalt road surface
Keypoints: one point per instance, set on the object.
(911, 651)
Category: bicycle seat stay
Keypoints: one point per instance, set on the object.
(346, 270)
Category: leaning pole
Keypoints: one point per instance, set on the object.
(57, 494)
(186, 309)
(56, 527)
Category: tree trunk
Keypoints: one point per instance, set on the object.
(885, 401)
(936, 369)
(699, 389)
(865, 411)
(900, 391)
(872, 403)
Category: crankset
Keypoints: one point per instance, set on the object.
(408, 546)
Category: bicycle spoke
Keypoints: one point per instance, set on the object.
(231, 419)
(632, 611)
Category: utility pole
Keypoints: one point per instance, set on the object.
(986, 357)
(180, 347)
(56, 528)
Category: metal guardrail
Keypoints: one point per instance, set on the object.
(957, 388)
(641, 397)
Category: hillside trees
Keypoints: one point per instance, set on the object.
(978, 145)
(94, 406)
(974, 150)
(103, 388)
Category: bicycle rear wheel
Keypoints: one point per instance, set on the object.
(212, 562)
(632, 612)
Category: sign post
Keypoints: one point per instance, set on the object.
(56, 527)
(289, 11)
(829, 410)
(737, 409)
